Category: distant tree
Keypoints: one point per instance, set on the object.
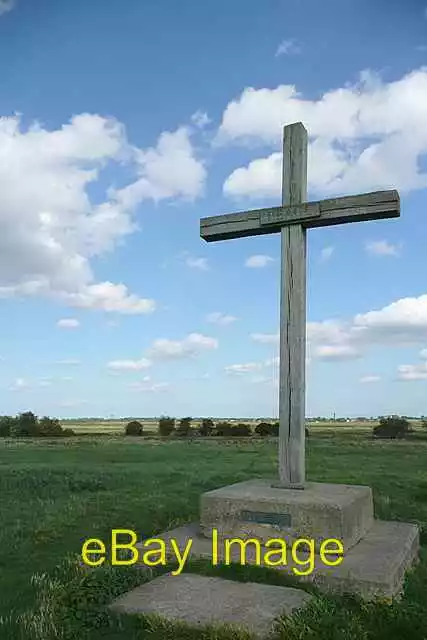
(49, 427)
(68, 432)
(223, 428)
(241, 430)
(207, 426)
(184, 427)
(166, 425)
(264, 429)
(392, 427)
(26, 425)
(7, 424)
(134, 428)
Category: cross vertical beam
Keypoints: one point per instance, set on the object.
(293, 314)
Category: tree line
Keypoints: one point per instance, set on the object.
(29, 425)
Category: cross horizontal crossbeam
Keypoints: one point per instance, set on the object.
(368, 206)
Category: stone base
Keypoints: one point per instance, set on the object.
(202, 601)
(375, 567)
(321, 511)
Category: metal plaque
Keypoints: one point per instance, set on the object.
(276, 519)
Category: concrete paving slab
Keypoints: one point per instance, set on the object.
(200, 601)
(258, 508)
(375, 567)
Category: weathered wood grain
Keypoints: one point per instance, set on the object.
(293, 314)
(292, 219)
(368, 206)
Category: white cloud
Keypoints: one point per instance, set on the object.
(335, 352)
(68, 323)
(45, 382)
(258, 261)
(129, 365)
(409, 372)
(402, 323)
(20, 384)
(405, 320)
(44, 180)
(200, 119)
(381, 248)
(238, 369)
(261, 380)
(326, 254)
(149, 387)
(169, 170)
(369, 379)
(287, 48)
(191, 346)
(197, 263)
(265, 338)
(6, 6)
(363, 136)
(110, 297)
(220, 318)
(261, 178)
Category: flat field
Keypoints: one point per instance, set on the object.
(55, 494)
(113, 427)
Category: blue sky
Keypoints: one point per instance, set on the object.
(125, 123)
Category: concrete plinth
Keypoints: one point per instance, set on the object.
(257, 509)
(202, 601)
(375, 567)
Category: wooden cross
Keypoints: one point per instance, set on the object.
(291, 220)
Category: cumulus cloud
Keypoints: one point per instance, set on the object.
(335, 352)
(129, 365)
(326, 254)
(191, 346)
(68, 323)
(222, 319)
(258, 261)
(200, 119)
(20, 384)
(265, 338)
(149, 387)
(197, 263)
(402, 323)
(410, 372)
(369, 379)
(288, 47)
(6, 6)
(381, 248)
(364, 136)
(238, 369)
(50, 229)
(169, 170)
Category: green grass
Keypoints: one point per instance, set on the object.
(54, 495)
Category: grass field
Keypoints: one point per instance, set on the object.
(55, 494)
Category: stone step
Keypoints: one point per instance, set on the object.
(258, 508)
(375, 567)
(200, 601)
